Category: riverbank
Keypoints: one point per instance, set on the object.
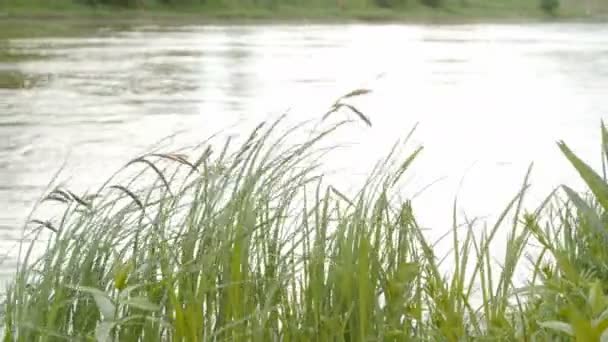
(66, 18)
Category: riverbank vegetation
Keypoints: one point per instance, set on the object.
(36, 18)
(402, 10)
(249, 242)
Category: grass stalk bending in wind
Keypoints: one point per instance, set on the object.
(250, 243)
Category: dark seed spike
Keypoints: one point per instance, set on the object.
(79, 200)
(361, 115)
(45, 224)
(175, 157)
(53, 197)
(256, 130)
(61, 193)
(158, 172)
(357, 92)
(333, 109)
(202, 158)
(91, 197)
(130, 194)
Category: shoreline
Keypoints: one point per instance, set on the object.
(18, 22)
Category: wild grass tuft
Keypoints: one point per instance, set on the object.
(251, 243)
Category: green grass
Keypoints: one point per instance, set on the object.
(248, 242)
(35, 18)
(23, 18)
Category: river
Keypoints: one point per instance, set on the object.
(488, 99)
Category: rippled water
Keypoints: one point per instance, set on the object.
(489, 99)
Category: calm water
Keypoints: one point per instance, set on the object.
(489, 99)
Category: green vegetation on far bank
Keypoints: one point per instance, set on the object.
(293, 9)
(39, 14)
(248, 242)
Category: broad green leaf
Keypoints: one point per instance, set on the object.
(596, 298)
(157, 320)
(558, 326)
(567, 269)
(601, 322)
(124, 293)
(601, 325)
(141, 303)
(595, 183)
(582, 327)
(103, 301)
(103, 331)
(604, 336)
(584, 209)
(603, 315)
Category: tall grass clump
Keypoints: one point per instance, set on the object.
(249, 242)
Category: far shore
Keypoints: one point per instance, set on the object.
(25, 22)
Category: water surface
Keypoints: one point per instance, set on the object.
(489, 99)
